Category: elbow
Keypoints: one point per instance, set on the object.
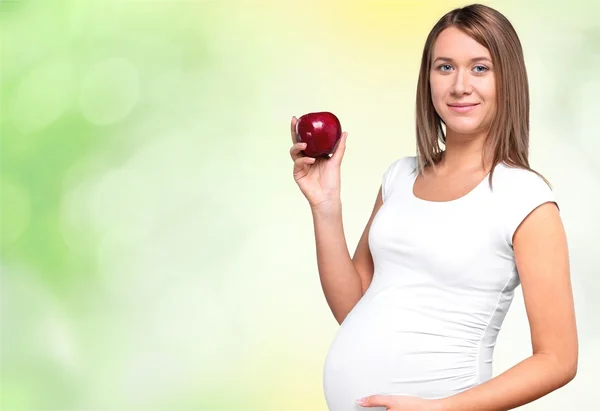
(571, 371)
(563, 369)
(567, 370)
(570, 365)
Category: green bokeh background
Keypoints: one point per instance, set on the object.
(155, 251)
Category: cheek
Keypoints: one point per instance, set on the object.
(436, 89)
(437, 93)
(488, 90)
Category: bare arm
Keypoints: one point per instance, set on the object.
(343, 279)
(541, 255)
(363, 261)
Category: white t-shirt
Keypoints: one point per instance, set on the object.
(444, 280)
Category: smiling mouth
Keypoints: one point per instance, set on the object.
(463, 105)
(462, 108)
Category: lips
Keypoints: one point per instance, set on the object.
(462, 107)
(462, 104)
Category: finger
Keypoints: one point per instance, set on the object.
(339, 150)
(293, 130)
(303, 163)
(375, 401)
(296, 150)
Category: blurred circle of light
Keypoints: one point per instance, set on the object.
(109, 91)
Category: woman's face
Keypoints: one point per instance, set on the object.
(463, 85)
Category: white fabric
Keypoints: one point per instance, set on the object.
(444, 280)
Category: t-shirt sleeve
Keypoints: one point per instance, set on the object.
(390, 176)
(527, 192)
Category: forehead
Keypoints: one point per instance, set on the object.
(456, 44)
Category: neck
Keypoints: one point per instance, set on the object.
(464, 153)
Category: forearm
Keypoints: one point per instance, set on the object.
(339, 278)
(527, 381)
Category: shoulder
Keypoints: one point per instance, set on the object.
(399, 168)
(513, 183)
(406, 162)
(519, 192)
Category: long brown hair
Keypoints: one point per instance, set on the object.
(508, 137)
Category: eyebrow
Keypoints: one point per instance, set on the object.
(472, 60)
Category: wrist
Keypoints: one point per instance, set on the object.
(327, 208)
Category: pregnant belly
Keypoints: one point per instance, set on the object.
(384, 348)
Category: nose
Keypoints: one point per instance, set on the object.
(462, 83)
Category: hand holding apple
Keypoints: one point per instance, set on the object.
(318, 175)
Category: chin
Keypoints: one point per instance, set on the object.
(464, 127)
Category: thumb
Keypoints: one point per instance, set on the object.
(375, 401)
(340, 149)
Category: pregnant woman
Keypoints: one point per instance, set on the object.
(452, 233)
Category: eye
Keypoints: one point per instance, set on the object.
(480, 69)
(445, 67)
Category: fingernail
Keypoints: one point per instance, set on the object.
(360, 401)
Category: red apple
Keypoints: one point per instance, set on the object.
(320, 131)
